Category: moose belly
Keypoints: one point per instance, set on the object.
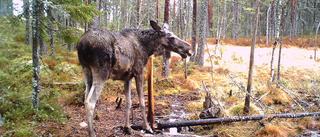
(122, 68)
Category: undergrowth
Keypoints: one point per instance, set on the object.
(20, 118)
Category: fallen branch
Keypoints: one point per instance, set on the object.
(291, 96)
(260, 103)
(60, 83)
(232, 119)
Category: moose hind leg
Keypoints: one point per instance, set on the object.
(127, 88)
(88, 75)
(139, 84)
(91, 99)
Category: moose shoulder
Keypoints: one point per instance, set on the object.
(122, 56)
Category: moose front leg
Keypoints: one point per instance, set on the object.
(139, 84)
(127, 90)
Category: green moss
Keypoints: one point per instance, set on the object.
(238, 110)
(23, 129)
(66, 68)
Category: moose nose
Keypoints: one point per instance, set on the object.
(190, 52)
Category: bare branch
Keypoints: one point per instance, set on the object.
(261, 104)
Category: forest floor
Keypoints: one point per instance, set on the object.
(233, 59)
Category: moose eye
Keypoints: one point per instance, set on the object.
(171, 38)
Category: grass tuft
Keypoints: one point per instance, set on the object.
(271, 131)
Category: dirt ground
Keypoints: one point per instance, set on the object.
(108, 120)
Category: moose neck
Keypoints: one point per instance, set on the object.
(150, 40)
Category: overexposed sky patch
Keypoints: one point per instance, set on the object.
(18, 7)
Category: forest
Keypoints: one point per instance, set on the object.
(255, 58)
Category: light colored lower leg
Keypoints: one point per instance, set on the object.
(88, 74)
(90, 109)
(127, 91)
(91, 99)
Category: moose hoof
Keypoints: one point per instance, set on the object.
(127, 130)
(157, 132)
(149, 130)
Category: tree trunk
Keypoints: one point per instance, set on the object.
(267, 25)
(6, 8)
(26, 4)
(247, 22)
(246, 108)
(232, 119)
(157, 11)
(138, 9)
(236, 17)
(202, 39)
(210, 17)
(293, 15)
(50, 31)
(43, 47)
(219, 26)
(224, 20)
(272, 20)
(166, 56)
(194, 30)
(106, 14)
(35, 53)
(277, 38)
(279, 60)
(96, 19)
(259, 27)
(180, 20)
(43, 44)
(282, 24)
(150, 93)
(315, 43)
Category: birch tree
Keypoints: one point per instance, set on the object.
(267, 24)
(315, 43)
(277, 33)
(282, 24)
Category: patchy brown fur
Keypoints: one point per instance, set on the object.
(122, 56)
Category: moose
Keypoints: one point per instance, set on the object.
(122, 56)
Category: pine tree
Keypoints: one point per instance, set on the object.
(26, 6)
(35, 54)
(194, 29)
(246, 108)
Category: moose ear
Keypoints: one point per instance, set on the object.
(155, 25)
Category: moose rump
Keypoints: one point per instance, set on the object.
(122, 56)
